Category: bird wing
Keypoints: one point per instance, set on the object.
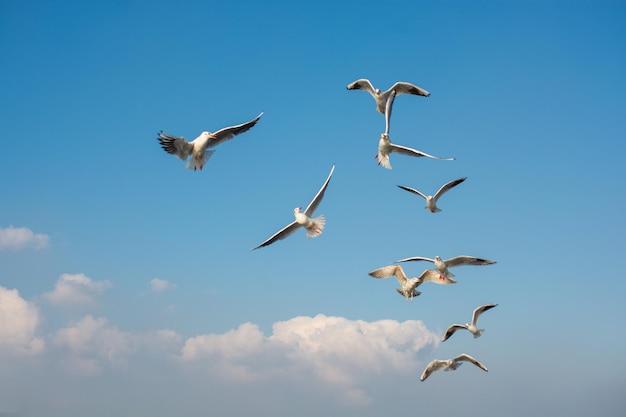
(388, 271)
(175, 145)
(480, 310)
(416, 258)
(412, 190)
(402, 87)
(450, 331)
(230, 132)
(434, 276)
(467, 358)
(404, 150)
(318, 197)
(281, 234)
(446, 187)
(388, 107)
(433, 366)
(467, 260)
(362, 84)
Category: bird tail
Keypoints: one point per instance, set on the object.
(479, 333)
(317, 227)
(384, 160)
(195, 164)
(435, 210)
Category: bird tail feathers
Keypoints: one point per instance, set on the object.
(194, 164)
(316, 229)
(479, 333)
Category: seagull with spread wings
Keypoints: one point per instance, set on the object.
(198, 148)
(382, 97)
(471, 327)
(409, 284)
(450, 365)
(431, 200)
(313, 226)
(385, 147)
(443, 265)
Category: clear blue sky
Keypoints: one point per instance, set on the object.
(127, 284)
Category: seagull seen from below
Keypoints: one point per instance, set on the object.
(385, 147)
(431, 200)
(383, 97)
(471, 327)
(409, 284)
(197, 148)
(313, 226)
(443, 265)
(450, 365)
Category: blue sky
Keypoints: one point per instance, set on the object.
(127, 284)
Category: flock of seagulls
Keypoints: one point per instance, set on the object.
(198, 151)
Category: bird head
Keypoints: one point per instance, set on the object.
(297, 210)
(437, 258)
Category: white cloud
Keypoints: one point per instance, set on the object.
(18, 322)
(75, 289)
(334, 350)
(158, 285)
(17, 238)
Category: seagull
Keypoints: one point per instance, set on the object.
(469, 326)
(197, 148)
(385, 147)
(382, 98)
(431, 200)
(409, 284)
(450, 365)
(443, 265)
(313, 227)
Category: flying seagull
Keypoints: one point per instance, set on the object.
(197, 148)
(431, 200)
(450, 365)
(443, 265)
(385, 147)
(409, 284)
(469, 326)
(313, 227)
(382, 98)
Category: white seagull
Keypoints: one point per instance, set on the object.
(409, 284)
(385, 147)
(472, 327)
(431, 200)
(197, 148)
(382, 98)
(443, 265)
(313, 227)
(450, 365)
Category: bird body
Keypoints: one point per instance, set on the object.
(380, 97)
(450, 365)
(431, 200)
(197, 148)
(443, 265)
(409, 284)
(472, 327)
(313, 226)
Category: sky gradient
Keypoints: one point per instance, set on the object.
(127, 283)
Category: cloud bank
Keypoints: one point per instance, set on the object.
(75, 289)
(19, 320)
(17, 238)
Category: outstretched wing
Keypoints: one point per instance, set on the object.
(480, 310)
(446, 187)
(175, 145)
(318, 197)
(404, 150)
(434, 276)
(388, 271)
(281, 234)
(402, 87)
(230, 132)
(450, 331)
(388, 107)
(468, 358)
(435, 365)
(467, 260)
(362, 84)
(416, 258)
(412, 190)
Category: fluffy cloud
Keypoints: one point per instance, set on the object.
(17, 238)
(334, 350)
(18, 322)
(158, 285)
(75, 289)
